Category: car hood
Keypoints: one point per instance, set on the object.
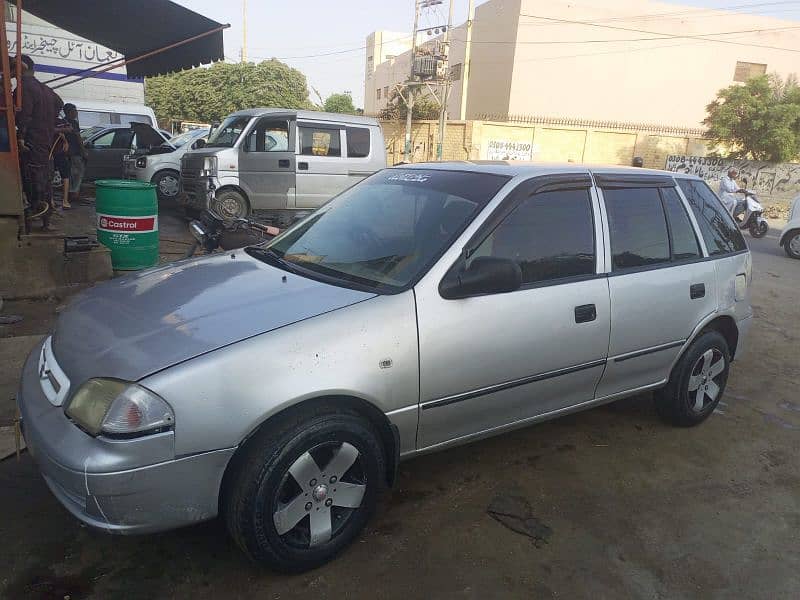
(148, 137)
(132, 327)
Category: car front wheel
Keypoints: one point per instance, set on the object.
(792, 244)
(168, 185)
(697, 381)
(304, 488)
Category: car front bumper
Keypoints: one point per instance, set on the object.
(107, 483)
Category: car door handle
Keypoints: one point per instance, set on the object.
(697, 290)
(302, 166)
(284, 163)
(585, 313)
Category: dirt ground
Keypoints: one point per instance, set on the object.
(625, 506)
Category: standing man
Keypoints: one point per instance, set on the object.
(36, 124)
(77, 154)
(728, 188)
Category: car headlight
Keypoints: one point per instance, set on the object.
(119, 408)
(209, 167)
(141, 162)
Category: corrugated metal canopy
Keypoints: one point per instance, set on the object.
(135, 27)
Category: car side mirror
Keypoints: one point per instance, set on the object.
(484, 275)
(201, 143)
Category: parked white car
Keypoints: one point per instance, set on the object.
(162, 166)
(790, 235)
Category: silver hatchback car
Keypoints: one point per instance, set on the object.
(427, 306)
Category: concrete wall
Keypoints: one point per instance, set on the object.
(545, 141)
(772, 181)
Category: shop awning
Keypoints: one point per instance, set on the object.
(135, 27)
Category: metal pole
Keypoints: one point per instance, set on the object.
(409, 85)
(19, 54)
(244, 30)
(465, 67)
(447, 83)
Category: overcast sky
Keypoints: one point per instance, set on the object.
(295, 31)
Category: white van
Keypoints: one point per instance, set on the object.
(92, 113)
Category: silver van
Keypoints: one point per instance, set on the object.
(285, 163)
(427, 306)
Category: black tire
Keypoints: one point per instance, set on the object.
(253, 489)
(792, 244)
(230, 204)
(676, 403)
(759, 230)
(168, 185)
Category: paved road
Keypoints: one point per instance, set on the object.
(636, 508)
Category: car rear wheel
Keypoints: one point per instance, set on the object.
(792, 244)
(304, 488)
(697, 381)
(168, 185)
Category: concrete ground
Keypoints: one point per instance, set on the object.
(634, 508)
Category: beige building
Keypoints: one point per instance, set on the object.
(628, 61)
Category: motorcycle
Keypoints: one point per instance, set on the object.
(211, 231)
(752, 219)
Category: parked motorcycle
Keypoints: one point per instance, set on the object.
(752, 219)
(211, 231)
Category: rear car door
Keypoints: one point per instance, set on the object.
(267, 163)
(661, 286)
(493, 360)
(321, 165)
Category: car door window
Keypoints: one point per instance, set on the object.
(123, 139)
(357, 142)
(550, 235)
(682, 237)
(319, 141)
(638, 228)
(104, 141)
(720, 233)
(268, 135)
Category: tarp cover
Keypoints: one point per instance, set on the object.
(135, 27)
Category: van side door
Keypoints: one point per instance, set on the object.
(321, 163)
(661, 285)
(495, 360)
(267, 163)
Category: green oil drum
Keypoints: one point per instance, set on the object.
(127, 222)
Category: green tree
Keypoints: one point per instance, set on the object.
(759, 120)
(340, 103)
(208, 94)
(425, 107)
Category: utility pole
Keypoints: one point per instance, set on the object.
(465, 67)
(244, 31)
(447, 84)
(410, 85)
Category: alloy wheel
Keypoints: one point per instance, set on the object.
(794, 245)
(314, 503)
(704, 384)
(169, 185)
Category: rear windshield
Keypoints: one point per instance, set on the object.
(386, 231)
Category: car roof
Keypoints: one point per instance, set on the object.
(532, 169)
(306, 114)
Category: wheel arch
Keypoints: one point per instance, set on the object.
(389, 435)
(163, 170)
(787, 234)
(724, 324)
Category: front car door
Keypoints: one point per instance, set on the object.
(105, 154)
(267, 163)
(321, 166)
(661, 286)
(496, 360)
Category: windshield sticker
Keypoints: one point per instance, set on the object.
(409, 177)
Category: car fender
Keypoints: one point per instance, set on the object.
(792, 225)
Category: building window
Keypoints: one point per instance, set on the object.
(386, 92)
(747, 70)
(455, 72)
(378, 93)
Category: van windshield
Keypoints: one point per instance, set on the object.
(228, 132)
(386, 231)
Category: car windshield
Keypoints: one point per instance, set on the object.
(185, 138)
(386, 231)
(228, 132)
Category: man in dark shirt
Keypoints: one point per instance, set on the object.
(77, 153)
(36, 124)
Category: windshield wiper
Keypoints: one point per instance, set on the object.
(270, 256)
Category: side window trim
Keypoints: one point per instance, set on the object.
(606, 231)
(698, 233)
